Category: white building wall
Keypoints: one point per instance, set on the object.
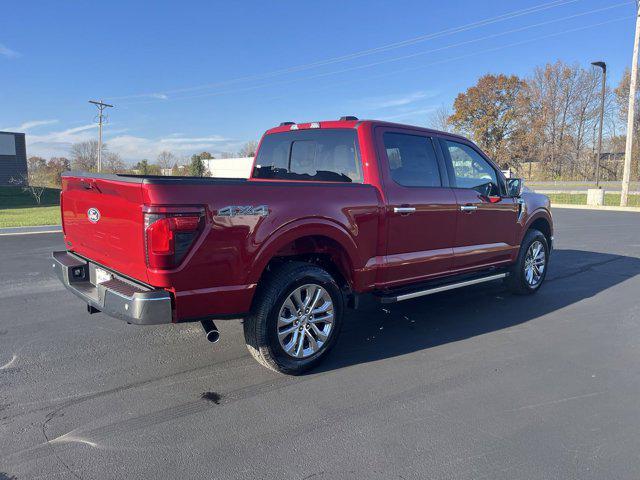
(239, 167)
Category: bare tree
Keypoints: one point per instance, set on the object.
(552, 90)
(36, 163)
(84, 155)
(563, 118)
(112, 163)
(248, 149)
(166, 160)
(583, 119)
(439, 119)
(34, 182)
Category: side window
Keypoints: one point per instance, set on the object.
(412, 160)
(313, 154)
(470, 169)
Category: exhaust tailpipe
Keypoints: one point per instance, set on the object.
(211, 331)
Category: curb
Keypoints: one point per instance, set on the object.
(30, 230)
(602, 209)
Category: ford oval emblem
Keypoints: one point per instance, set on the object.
(93, 214)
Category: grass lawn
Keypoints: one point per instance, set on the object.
(610, 199)
(20, 209)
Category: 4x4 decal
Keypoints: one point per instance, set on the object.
(243, 210)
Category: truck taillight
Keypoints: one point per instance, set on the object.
(169, 236)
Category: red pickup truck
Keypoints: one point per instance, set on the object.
(333, 211)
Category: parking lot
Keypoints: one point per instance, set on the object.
(468, 384)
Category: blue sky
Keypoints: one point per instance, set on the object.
(191, 76)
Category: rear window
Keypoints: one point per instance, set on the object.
(329, 155)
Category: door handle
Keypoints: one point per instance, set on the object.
(404, 210)
(468, 208)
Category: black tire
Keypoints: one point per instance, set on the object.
(260, 327)
(516, 281)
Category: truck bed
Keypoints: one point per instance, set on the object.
(241, 221)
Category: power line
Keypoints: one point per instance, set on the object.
(467, 55)
(393, 59)
(101, 107)
(362, 53)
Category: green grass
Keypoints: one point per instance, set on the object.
(610, 199)
(20, 209)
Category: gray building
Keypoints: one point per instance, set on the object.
(13, 157)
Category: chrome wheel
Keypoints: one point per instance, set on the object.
(534, 263)
(305, 321)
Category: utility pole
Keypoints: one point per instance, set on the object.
(626, 176)
(101, 106)
(603, 66)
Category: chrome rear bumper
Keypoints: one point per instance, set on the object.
(117, 297)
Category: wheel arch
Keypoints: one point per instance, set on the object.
(540, 220)
(319, 241)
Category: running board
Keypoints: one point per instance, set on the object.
(390, 298)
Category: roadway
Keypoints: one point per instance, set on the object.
(469, 384)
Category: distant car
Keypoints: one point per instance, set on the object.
(333, 211)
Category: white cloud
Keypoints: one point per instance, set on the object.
(57, 143)
(130, 147)
(7, 52)
(417, 114)
(176, 139)
(26, 126)
(70, 135)
(389, 101)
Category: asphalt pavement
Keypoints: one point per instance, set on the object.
(469, 384)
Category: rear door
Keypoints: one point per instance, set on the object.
(485, 231)
(420, 206)
(103, 221)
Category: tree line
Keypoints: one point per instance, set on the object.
(83, 156)
(545, 126)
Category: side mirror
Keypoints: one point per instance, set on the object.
(515, 187)
(487, 190)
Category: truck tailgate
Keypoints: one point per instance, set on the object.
(103, 221)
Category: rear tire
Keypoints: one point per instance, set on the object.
(528, 273)
(296, 318)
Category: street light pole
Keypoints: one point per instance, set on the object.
(603, 66)
(626, 175)
(101, 106)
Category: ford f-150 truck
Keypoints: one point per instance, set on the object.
(333, 213)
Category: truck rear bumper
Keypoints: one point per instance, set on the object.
(116, 297)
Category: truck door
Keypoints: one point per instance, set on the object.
(486, 227)
(420, 207)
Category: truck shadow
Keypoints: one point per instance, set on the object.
(406, 327)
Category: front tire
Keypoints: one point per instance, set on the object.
(528, 273)
(296, 318)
